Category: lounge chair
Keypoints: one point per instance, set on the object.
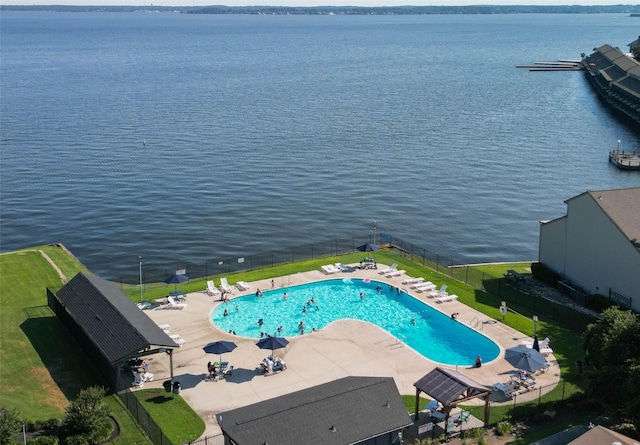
(426, 287)
(177, 339)
(140, 378)
(438, 293)
(414, 281)
(389, 270)
(344, 268)
(172, 304)
(224, 285)
(508, 390)
(446, 298)
(211, 288)
(242, 285)
(395, 273)
(329, 269)
(421, 284)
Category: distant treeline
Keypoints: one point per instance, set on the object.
(343, 10)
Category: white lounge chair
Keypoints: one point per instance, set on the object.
(242, 285)
(389, 270)
(344, 268)
(438, 293)
(211, 288)
(508, 390)
(172, 304)
(140, 378)
(329, 269)
(414, 281)
(421, 284)
(395, 273)
(224, 285)
(446, 298)
(426, 287)
(177, 339)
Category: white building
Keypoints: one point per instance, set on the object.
(596, 245)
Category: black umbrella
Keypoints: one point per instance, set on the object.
(536, 345)
(219, 347)
(272, 343)
(175, 279)
(368, 248)
(524, 358)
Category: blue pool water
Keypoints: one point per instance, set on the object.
(431, 333)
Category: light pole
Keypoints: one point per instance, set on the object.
(140, 265)
(618, 144)
(375, 226)
(535, 322)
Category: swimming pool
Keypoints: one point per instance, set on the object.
(431, 333)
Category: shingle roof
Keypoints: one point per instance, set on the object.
(622, 206)
(345, 411)
(601, 435)
(114, 323)
(449, 387)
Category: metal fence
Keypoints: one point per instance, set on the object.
(143, 418)
(498, 288)
(227, 266)
(217, 439)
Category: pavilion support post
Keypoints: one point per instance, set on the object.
(171, 362)
(417, 403)
(486, 411)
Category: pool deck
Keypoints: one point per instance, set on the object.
(344, 348)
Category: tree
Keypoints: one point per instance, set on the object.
(87, 418)
(9, 425)
(612, 360)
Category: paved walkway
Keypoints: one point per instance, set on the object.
(342, 349)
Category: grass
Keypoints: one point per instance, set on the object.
(178, 421)
(43, 367)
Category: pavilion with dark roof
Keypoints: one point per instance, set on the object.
(351, 410)
(110, 328)
(451, 388)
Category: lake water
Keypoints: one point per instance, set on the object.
(265, 132)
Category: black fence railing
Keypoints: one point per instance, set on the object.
(243, 263)
(143, 418)
(217, 439)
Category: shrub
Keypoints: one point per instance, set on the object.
(541, 273)
(43, 440)
(503, 428)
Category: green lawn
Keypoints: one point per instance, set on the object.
(43, 368)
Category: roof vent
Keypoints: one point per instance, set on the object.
(387, 405)
(333, 428)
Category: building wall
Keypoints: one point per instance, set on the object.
(597, 255)
(553, 239)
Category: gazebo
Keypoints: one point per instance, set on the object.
(451, 388)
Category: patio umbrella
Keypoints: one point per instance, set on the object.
(536, 345)
(175, 279)
(272, 343)
(367, 247)
(521, 357)
(219, 347)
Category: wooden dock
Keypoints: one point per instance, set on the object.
(625, 160)
(560, 65)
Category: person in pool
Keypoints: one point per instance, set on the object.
(258, 293)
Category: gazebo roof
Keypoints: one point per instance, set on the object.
(113, 323)
(450, 387)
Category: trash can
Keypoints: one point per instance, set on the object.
(176, 387)
(167, 385)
